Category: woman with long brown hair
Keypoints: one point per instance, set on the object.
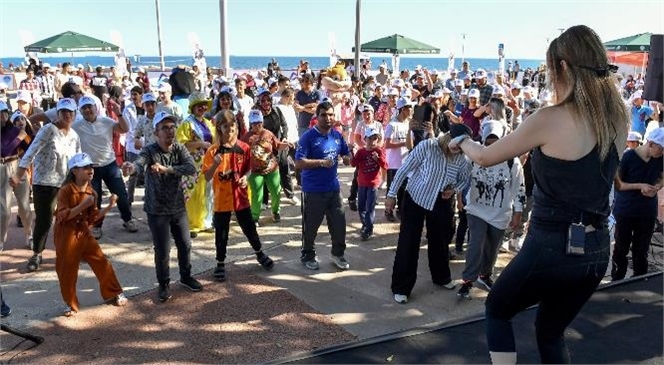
(576, 145)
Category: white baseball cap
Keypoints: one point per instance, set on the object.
(446, 91)
(80, 65)
(458, 82)
(437, 95)
(656, 136)
(66, 104)
(403, 102)
(634, 137)
(498, 90)
(46, 65)
(148, 97)
(480, 73)
(255, 116)
(141, 70)
(495, 127)
(24, 95)
(365, 107)
(3, 106)
(160, 117)
(464, 92)
(164, 87)
(393, 92)
(17, 114)
(370, 132)
(398, 83)
(86, 100)
(79, 160)
(474, 93)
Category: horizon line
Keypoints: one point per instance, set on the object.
(377, 55)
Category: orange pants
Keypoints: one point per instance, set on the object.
(68, 258)
(74, 243)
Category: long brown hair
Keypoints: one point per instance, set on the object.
(222, 118)
(589, 87)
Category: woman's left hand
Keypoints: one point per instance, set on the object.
(454, 146)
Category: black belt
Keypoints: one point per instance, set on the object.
(4, 160)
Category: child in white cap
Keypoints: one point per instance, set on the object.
(76, 212)
(369, 161)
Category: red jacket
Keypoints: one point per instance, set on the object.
(369, 164)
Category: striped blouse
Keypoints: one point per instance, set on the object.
(429, 172)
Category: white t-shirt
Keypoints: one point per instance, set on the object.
(396, 131)
(97, 139)
(291, 121)
(361, 128)
(246, 103)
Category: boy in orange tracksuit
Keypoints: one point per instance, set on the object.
(369, 160)
(227, 163)
(76, 213)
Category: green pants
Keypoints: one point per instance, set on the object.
(256, 181)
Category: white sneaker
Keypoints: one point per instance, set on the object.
(121, 300)
(400, 298)
(294, 200)
(29, 242)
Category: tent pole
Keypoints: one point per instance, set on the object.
(225, 58)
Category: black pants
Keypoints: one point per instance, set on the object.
(315, 207)
(461, 230)
(354, 186)
(221, 221)
(44, 198)
(637, 233)
(162, 227)
(404, 272)
(543, 273)
(402, 189)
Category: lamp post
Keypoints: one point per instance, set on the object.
(225, 58)
(161, 52)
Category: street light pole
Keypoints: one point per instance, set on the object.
(463, 48)
(225, 58)
(357, 39)
(161, 52)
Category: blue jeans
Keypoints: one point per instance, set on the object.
(112, 177)
(162, 227)
(366, 206)
(542, 273)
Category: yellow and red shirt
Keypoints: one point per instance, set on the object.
(235, 163)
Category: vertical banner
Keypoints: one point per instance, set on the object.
(450, 62)
(332, 38)
(501, 58)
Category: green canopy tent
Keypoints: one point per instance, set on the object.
(635, 43)
(396, 45)
(631, 50)
(70, 42)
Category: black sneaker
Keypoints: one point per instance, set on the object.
(352, 204)
(265, 260)
(390, 217)
(19, 223)
(164, 292)
(486, 281)
(220, 272)
(193, 234)
(464, 291)
(34, 262)
(658, 227)
(276, 217)
(191, 284)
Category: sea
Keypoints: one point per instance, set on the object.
(285, 63)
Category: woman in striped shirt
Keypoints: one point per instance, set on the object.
(434, 174)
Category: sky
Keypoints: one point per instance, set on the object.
(303, 28)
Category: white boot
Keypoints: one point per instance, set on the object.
(503, 357)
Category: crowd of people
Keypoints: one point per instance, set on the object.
(476, 157)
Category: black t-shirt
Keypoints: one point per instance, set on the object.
(633, 169)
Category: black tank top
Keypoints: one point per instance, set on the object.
(571, 191)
